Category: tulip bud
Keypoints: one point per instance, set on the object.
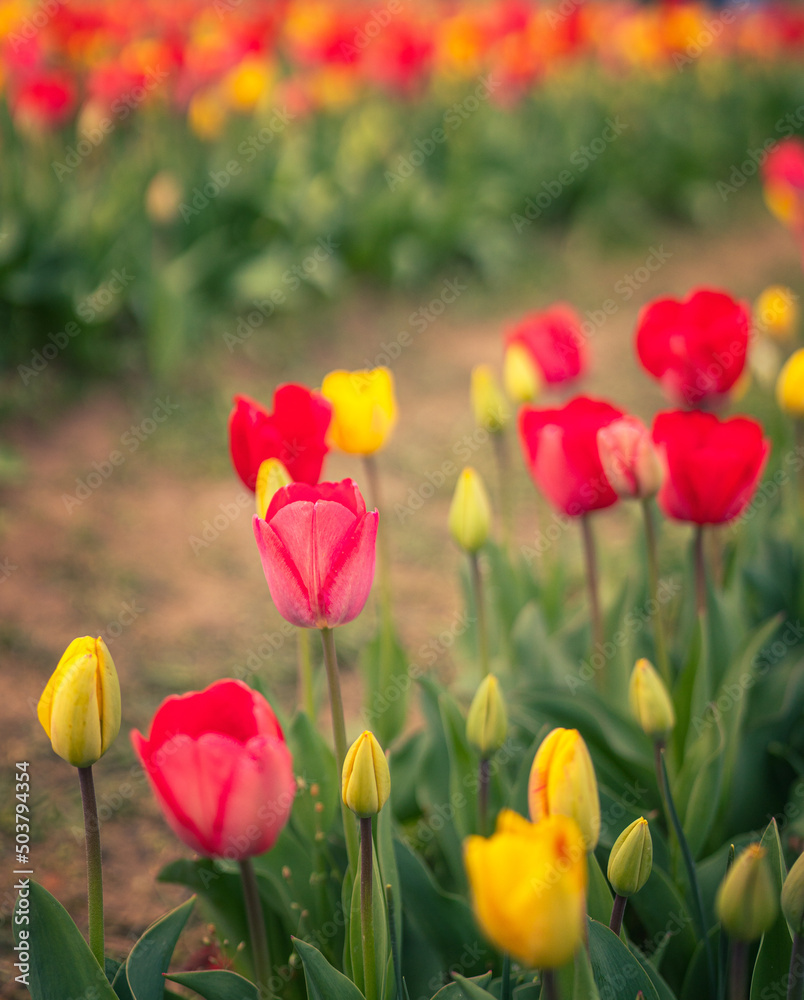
(793, 896)
(746, 901)
(163, 197)
(790, 385)
(470, 511)
(366, 778)
(271, 476)
(562, 781)
(488, 402)
(521, 377)
(776, 313)
(650, 701)
(487, 722)
(80, 706)
(631, 858)
(629, 459)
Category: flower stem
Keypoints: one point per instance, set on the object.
(305, 671)
(482, 628)
(549, 985)
(617, 911)
(592, 583)
(653, 573)
(256, 928)
(739, 970)
(505, 986)
(501, 456)
(795, 979)
(339, 736)
(483, 796)
(94, 869)
(366, 909)
(700, 571)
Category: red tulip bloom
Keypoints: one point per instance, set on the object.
(712, 466)
(555, 341)
(560, 447)
(317, 545)
(783, 179)
(696, 348)
(295, 433)
(220, 769)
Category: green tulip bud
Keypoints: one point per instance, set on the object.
(487, 722)
(793, 896)
(366, 778)
(746, 900)
(631, 858)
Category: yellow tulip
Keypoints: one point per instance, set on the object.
(746, 901)
(366, 782)
(470, 511)
(650, 701)
(528, 884)
(272, 476)
(487, 721)
(776, 312)
(488, 403)
(80, 706)
(363, 409)
(631, 858)
(790, 385)
(521, 377)
(562, 782)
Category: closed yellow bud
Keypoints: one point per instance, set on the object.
(80, 706)
(528, 884)
(488, 403)
(363, 409)
(776, 313)
(521, 378)
(746, 901)
(470, 511)
(487, 722)
(366, 778)
(631, 858)
(562, 782)
(272, 476)
(793, 896)
(790, 385)
(650, 701)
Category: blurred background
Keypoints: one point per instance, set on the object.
(204, 198)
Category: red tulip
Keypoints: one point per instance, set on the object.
(783, 178)
(696, 348)
(317, 545)
(295, 433)
(712, 466)
(560, 447)
(555, 341)
(220, 769)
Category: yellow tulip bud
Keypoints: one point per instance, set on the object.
(487, 722)
(631, 858)
(793, 896)
(562, 782)
(366, 778)
(776, 313)
(650, 701)
(272, 476)
(746, 901)
(521, 376)
(489, 405)
(528, 884)
(363, 409)
(80, 706)
(790, 385)
(470, 511)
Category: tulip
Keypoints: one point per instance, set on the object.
(746, 900)
(555, 342)
(790, 385)
(793, 896)
(522, 377)
(220, 769)
(317, 546)
(470, 511)
(776, 313)
(488, 403)
(366, 780)
(562, 782)
(713, 466)
(783, 180)
(631, 858)
(80, 706)
(650, 701)
(295, 433)
(528, 885)
(487, 721)
(696, 348)
(364, 409)
(272, 476)
(629, 459)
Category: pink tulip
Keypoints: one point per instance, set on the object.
(317, 545)
(630, 461)
(220, 769)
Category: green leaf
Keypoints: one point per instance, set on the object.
(773, 958)
(463, 767)
(615, 966)
(385, 666)
(471, 989)
(324, 982)
(61, 964)
(389, 873)
(697, 790)
(599, 899)
(315, 763)
(150, 956)
(217, 984)
(584, 987)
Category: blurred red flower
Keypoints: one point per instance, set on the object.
(555, 342)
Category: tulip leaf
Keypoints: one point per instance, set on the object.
(773, 958)
(385, 666)
(599, 899)
(314, 762)
(463, 768)
(668, 924)
(61, 964)
(324, 982)
(584, 986)
(380, 928)
(389, 873)
(470, 989)
(217, 984)
(697, 790)
(616, 969)
(150, 957)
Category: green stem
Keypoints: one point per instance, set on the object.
(617, 912)
(94, 868)
(483, 797)
(256, 928)
(366, 909)
(549, 985)
(389, 899)
(500, 444)
(795, 979)
(305, 671)
(700, 571)
(653, 573)
(592, 583)
(739, 971)
(482, 628)
(339, 736)
(505, 986)
(383, 552)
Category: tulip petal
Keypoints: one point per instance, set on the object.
(228, 706)
(289, 590)
(348, 583)
(75, 729)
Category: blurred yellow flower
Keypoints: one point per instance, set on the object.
(562, 782)
(488, 403)
(790, 385)
(470, 511)
(207, 115)
(363, 409)
(776, 313)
